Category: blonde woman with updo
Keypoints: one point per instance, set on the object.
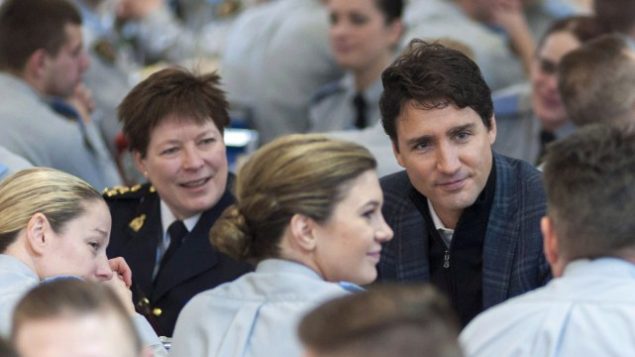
(55, 224)
(308, 213)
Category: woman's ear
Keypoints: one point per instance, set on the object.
(139, 163)
(38, 233)
(303, 232)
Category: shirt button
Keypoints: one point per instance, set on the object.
(157, 312)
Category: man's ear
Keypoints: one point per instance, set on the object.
(397, 153)
(492, 130)
(35, 65)
(303, 232)
(38, 233)
(550, 245)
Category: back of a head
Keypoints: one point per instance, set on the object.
(295, 174)
(590, 193)
(29, 25)
(395, 320)
(57, 195)
(597, 80)
(616, 15)
(432, 76)
(582, 27)
(67, 304)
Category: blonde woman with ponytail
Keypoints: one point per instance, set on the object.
(308, 214)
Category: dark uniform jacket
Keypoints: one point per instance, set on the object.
(194, 267)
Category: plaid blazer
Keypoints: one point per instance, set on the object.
(513, 260)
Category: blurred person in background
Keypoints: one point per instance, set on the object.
(364, 35)
(597, 81)
(42, 60)
(531, 116)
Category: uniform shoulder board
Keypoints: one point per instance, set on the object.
(125, 192)
(326, 91)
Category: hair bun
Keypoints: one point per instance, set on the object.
(231, 234)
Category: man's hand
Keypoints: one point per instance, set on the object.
(82, 100)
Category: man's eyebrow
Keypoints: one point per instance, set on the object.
(458, 129)
(419, 139)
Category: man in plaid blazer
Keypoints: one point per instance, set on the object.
(465, 219)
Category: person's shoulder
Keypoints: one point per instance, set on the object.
(521, 179)
(327, 91)
(128, 193)
(516, 168)
(516, 320)
(395, 182)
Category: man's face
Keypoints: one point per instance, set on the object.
(447, 155)
(63, 72)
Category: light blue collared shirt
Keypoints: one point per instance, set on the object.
(589, 311)
(255, 315)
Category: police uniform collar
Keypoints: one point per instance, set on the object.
(167, 218)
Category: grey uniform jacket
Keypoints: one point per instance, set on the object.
(32, 130)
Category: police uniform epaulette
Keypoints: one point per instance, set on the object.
(326, 91)
(125, 192)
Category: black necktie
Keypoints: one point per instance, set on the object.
(177, 231)
(359, 102)
(546, 137)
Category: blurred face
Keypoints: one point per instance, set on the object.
(64, 71)
(349, 243)
(187, 164)
(359, 34)
(79, 249)
(447, 155)
(546, 101)
(91, 335)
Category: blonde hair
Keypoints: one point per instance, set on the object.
(55, 194)
(296, 174)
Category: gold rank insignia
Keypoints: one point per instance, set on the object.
(137, 222)
(120, 190)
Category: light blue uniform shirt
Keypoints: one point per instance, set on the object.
(255, 315)
(16, 279)
(589, 311)
(332, 106)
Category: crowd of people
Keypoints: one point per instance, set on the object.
(431, 178)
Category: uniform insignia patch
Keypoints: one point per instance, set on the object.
(137, 222)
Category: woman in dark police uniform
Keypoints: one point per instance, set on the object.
(173, 122)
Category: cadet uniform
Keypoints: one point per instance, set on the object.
(33, 131)
(193, 267)
(16, 279)
(334, 105)
(255, 315)
(10, 163)
(292, 61)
